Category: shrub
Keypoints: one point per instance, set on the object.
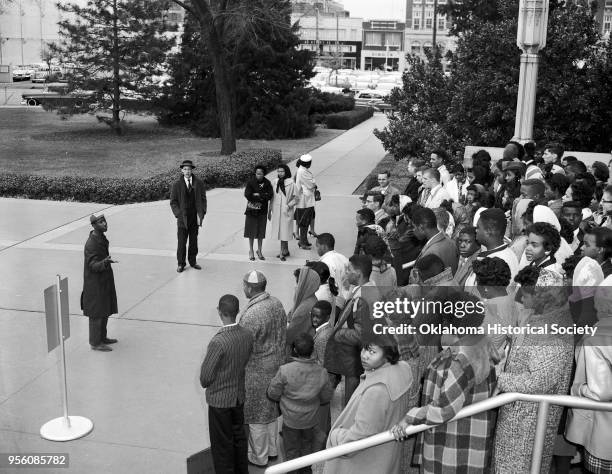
(231, 171)
(329, 103)
(350, 118)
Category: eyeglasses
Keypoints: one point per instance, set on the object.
(605, 201)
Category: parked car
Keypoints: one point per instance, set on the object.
(21, 74)
(56, 91)
(374, 99)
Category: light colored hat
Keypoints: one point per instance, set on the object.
(547, 215)
(254, 278)
(587, 276)
(93, 218)
(403, 200)
(305, 158)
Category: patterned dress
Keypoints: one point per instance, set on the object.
(265, 317)
(536, 364)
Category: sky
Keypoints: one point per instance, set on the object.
(376, 9)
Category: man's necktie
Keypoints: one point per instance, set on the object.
(189, 185)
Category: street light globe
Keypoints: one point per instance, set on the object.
(532, 25)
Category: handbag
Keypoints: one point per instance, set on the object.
(317, 195)
(253, 206)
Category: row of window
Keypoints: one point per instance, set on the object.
(373, 38)
(418, 24)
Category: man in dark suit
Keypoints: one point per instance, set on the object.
(222, 375)
(413, 185)
(99, 298)
(436, 242)
(188, 203)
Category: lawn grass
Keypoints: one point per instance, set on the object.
(399, 174)
(42, 143)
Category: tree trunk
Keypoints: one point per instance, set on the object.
(224, 91)
(116, 121)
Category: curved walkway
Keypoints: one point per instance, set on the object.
(144, 397)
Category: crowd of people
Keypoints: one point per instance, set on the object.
(529, 237)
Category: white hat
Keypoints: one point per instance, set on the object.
(403, 200)
(254, 278)
(305, 158)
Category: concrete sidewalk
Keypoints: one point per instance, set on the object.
(144, 398)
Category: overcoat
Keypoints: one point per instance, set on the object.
(377, 404)
(306, 185)
(281, 227)
(265, 317)
(99, 298)
(178, 198)
(535, 364)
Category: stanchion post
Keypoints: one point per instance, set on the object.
(540, 434)
(62, 352)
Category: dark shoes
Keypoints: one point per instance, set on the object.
(305, 246)
(181, 268)
(260, 255)
(101, 347)
(109, 341)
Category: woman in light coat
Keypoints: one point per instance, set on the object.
(593, 380)
(377, 404)
(305, 213)
(281, 209)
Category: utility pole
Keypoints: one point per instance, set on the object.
(435, 27)
(317, 35)
(21, 30)
(338, 59)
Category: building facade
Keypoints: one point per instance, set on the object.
(335, 38)
(28, 26)
(419, 28)
(383, 46)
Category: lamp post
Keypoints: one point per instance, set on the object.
(530, 38)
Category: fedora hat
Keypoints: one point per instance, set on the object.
(187, 163)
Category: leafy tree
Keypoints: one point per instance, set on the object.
(117, 47)
(477, 101)
(225, 27)
(266, 72)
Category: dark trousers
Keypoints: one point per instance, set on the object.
(97, 330)
(228, 440)
(303, 218)
(187, 233)
(298, 443)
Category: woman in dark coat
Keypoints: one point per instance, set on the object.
(258, 193)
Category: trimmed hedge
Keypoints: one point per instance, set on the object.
(350, 118)
(231, 171)
(328, 103)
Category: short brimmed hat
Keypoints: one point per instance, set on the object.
(93, 218)
(187, 163)
(305, 158)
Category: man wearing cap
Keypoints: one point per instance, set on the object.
(188, 203)
(265, 317)
(99, 298)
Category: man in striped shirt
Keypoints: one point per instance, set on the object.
(222, 375)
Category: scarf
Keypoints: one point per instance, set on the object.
(281, 185)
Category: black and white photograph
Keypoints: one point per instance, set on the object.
(306, 236)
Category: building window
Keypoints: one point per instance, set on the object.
(441, 23)
(373, 39)
(393, 39)
(416, 23)
(416, 2)
(428, 23)
(415, 48)
(607, 23)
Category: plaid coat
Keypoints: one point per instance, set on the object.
(457, 377)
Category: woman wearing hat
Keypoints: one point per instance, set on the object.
(258, 192)
(305, 211)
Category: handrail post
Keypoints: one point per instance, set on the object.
(540, 434)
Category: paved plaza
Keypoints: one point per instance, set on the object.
(148, 409)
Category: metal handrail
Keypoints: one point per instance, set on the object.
(494, 402)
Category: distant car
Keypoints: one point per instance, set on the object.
(40, 76)
(56, 91)
(21, 74)
(372, 98)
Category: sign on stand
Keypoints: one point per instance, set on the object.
(64, 428)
